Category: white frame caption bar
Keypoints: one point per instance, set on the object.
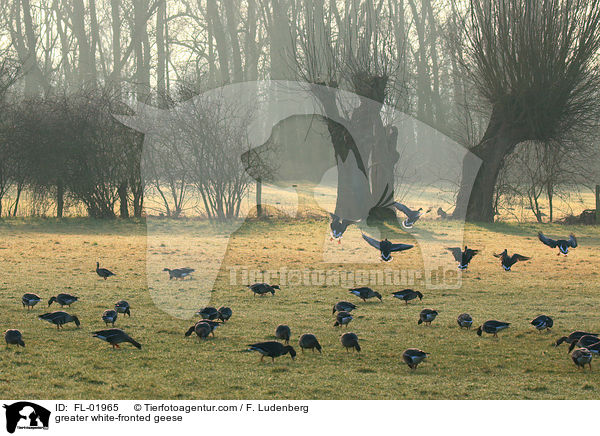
(248, 417)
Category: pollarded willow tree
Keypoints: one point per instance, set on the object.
(535, 63)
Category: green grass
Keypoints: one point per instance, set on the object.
(49, 256)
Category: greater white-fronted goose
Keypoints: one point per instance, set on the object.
(412, 216)
(208, 312)
(413, 356)
(123, 307)
(542, 322)
(179, 273)
(343, 306)
(103, 272)
(562, 244)
(508, 261)
(365, 293)
(212, 324)
(109, 316)
(29, 300)
(343, 318)
(338, 226)
(63, 300)
(309, 341)
(492, 327)
(407, 294)
(463, 257)
(224, 313)
(116, 336)
(427, 316)
(13, 337)
(582, 357)
(573, 337)
(263, 288)
(386, 247)
(350, 340)
(201, 328)
(59, 318)
(283, 332)
(464, 320)
(272, 349)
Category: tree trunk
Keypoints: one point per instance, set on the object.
(258, 197)
(16, 207)
(60, 199)
(124, 206)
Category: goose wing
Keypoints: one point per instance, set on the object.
(456, 252)
(372, 242)
(572, 241)
(404, 209)
(517, 257)
(401, 247)
(547, 241)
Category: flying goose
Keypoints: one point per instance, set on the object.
(365, 293)
(338, 226)
(414, 356)
(542, 322)
(29, 300)
(562, 244)
(492, 327)
(350, 340)
(309, 341)
(584, 342)
(224, 313)
(386, 247)
(63, 300)
(283, 332)
(427, 316)
(412, 216)
(103, 272)
(407, 295)
(116, 336)
(508, 261)
(263, 288)
(573, 337)
(272, 349)
(212, 324)
(109, 317)
(343, 318)
(59, 318)
(464, 320)
(123, 307)
(179, 273)
(208, 313)
(201, 328)
(343, 306)
(463, 257)
(13, 337)
(581, 357)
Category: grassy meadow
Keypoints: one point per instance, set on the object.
(48, 257)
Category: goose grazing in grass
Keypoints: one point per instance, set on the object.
(338, 226)
(123, 307)
(463, 257)
(562, 244)
(201, 328)
(584, 342)
(115, 337)
(59, 318)
(414, 356)
(272, 349)
(263, 288)
(582, 357)
(386, 247)
(63, 300)
(508, 261)
(29, 300)
(309, 341)
(350, 340)
(542, 322)
(407, 294)
(343, 306)
(179, 273)
(412, 216)
(109, 317)
(427, 316)
(492, 327)
(224, 313)
(573, 337)
(283, 332)
(103, 272)
(13, 337)
(343, 318)
(464, 320)
(212, 324)
(208, 313)
(365, 293)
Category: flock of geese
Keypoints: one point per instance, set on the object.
(211, 318)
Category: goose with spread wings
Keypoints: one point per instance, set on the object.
(386, 247)
(508, 261)
(412, 216)
(338, 226)
(463, 257)
(562, 244)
